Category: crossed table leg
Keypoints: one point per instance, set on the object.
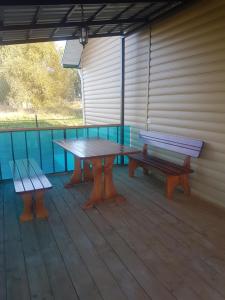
(103, 186)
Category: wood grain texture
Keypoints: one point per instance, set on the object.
(101, 155)
(27, 176)
(145, 248)
(176, 175)
(91, 148)
(180, 144)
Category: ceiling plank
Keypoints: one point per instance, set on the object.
(149, 16)
(96, 13)
(68, 25)
(64, 19)
(117, 16)
(164, 15)
(34, 21)
(66, 2)
(39, 40)
(135, 15)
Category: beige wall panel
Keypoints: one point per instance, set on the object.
(184, 94)
(136, 80)
(101, 81)
(187, 89)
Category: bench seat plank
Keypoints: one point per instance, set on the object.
(162, 165)
(27, 183)
(30, 182)
(32, 175)
(179, 144)
(18, 184)
(41, 176)
(28, 177)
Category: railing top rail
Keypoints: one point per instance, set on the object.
(58, 127)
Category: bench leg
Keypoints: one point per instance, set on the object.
(171, 183)
(27, 214)
(41, 211)
(132, 166)
(145, 171)
(184, 181)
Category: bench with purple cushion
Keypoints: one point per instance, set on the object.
(175, 174)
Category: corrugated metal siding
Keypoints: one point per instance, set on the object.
(137, 51)
(136, 78)
(186, 94)
(187, 88)
(101, 80)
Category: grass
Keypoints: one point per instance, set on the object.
(66, 115)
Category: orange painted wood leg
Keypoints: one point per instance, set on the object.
(132, 166)
(184, 179)
(88, 175)
(77, 174)
(110, 192)
(145, 171)
(41, 211)
(171, 183)
(27, 214)
(97, 190)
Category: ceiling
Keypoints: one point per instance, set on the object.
(52, 20)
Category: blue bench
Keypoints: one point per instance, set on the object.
(175, 174)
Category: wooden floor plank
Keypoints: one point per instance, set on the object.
(199, 214)
(107, 285)
(37, 274)
(2, 250)
(17, 283)
(193, 264)
(203, 245)
(195, 243)
(82, 281)
(59, 279)
(153, 287)
(144, 253)
(126, 281)
(146, 248)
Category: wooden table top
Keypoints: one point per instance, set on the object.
(90, 148)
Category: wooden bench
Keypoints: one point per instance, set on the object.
(175, 174)
(29, 181)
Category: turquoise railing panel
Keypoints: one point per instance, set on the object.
(58, 152)
(46, 148)
(70, 134)
(38, 144)
(33, 145)
(6, 154)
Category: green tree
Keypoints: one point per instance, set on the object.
(35, 77)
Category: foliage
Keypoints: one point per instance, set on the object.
(35, 77)
(70, 114)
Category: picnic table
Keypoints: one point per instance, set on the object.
(100, 154)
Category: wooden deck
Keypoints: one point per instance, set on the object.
(146, 248)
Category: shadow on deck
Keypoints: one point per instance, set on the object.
(146, 248)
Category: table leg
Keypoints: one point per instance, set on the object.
(110, 192)
(77, 174)
(41, 211)
(88, 176)
(97, 190)
(27, 214)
